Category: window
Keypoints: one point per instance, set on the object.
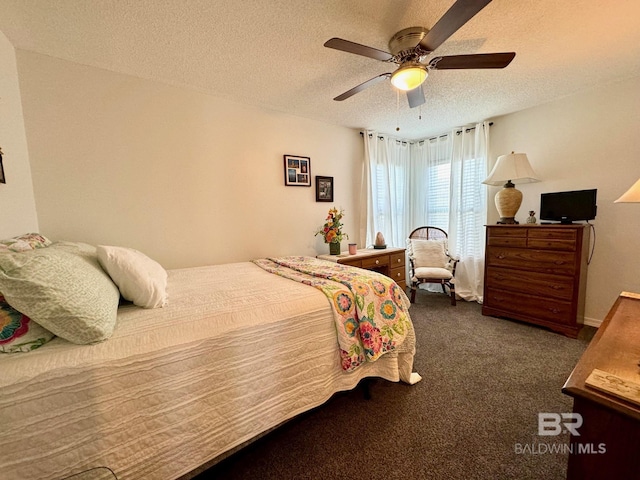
(435, 182)
(411, 187)
(437, 189)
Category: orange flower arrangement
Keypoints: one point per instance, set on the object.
(332, 229)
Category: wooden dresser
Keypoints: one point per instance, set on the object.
(610, 421)
(537, 274)
(389, 261)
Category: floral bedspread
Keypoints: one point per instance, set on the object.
(371, 311)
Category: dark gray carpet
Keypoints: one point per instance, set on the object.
(484, 382)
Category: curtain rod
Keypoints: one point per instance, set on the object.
(404, 142)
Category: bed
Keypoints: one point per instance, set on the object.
(235, 352)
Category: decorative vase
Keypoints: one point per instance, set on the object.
(334, 248)
(532, 218)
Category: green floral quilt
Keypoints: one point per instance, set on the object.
(371, 311)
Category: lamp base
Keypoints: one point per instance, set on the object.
(508, 202)
(508, 221)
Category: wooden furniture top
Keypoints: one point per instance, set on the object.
(538, 225)
(361, 254)
(615, 349)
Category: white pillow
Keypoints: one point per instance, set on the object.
(429, 253)
(140, 279)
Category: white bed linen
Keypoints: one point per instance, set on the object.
(235, 352)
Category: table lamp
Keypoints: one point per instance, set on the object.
(509, 170)
(632, 195)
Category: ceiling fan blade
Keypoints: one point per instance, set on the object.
(416, 97)
(351, 47)
(460, 13)
(478, 60)
(362, 86)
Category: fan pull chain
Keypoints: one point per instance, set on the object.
(420, 113)
(397, 110)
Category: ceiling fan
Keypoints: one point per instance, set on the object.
(411, 47)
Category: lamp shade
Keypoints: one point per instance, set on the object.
(632, 195)
(514, 168)
(409, 76)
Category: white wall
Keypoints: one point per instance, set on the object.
(187, 178)
(580, 142)
(17, 203)
(193, 179)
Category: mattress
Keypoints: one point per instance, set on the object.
(236, 352)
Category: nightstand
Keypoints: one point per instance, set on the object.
(388, 261)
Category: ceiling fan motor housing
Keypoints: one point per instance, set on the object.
(405, 44)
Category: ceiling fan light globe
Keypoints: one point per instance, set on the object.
(408, 77)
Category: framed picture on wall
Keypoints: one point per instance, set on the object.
(324, 189)
(297, 171)
(2, 179)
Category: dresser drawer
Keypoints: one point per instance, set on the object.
(507, 241)
(561, 263)
(506, 232)
(375, 262)
(552, 244)
(353, 263)
(397, 260)
(553, 233)
(398, 274)
(532, 283)
(521, 306)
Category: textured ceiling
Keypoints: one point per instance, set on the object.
(270, 53)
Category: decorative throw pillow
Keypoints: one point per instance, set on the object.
(24, 243)
(429, 253)
(18, 333)
(63, 289)
(140, 279)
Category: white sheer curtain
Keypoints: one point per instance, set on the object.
(431, 182)
(386, 189)
(468, 208)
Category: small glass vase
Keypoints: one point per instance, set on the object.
(334, 248)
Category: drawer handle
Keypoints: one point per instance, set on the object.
(398, 275)
(554, 310)
(399, 260)
(556, 287)
(377, 262)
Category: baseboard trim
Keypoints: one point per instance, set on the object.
(592, 322)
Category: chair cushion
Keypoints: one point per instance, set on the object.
(434, 273)
(429, 253)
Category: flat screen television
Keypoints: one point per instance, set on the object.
(568, 207)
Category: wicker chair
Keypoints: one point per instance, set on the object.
(430, 262)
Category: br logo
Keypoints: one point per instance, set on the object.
(552, 424)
